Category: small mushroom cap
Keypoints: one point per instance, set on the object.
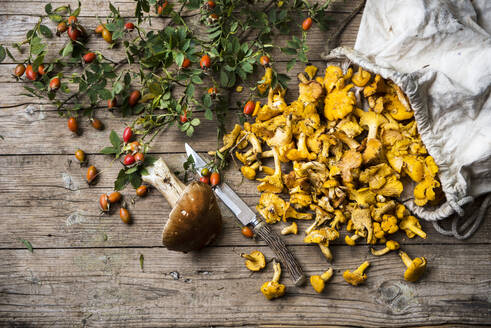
(195, 221)
(258, 262)
(415, 270)
(354, 278)
(272, 289)
(317, 283)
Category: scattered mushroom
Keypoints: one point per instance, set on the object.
(255, 261)
(273, 289)
(358, 276)
(411, 226)
(390, 245)
(319, 282)
(415, 267)
(291, 229)
(195, 219)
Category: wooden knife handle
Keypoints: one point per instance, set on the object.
(281, 251)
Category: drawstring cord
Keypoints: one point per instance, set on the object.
(473, 221)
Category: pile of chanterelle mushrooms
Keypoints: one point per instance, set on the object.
(349, 165)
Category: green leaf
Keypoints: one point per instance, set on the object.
(196, 79)
(48, 8)
(223, 78)
(76, 12)
(289, 51)
(55, 18)
(179, 58)
(121, 181)
(67, 51)
(105, 94)
(135, 180)
(195, 122)
(27, 244)
(114, 10)
(3, 53)
(131, 170)
(109, 150)
(141, 261)
(290, 64)
(117, 88)
(207, 100)
(208, 114)
(190, 131)
(115, 141)
(45, 31)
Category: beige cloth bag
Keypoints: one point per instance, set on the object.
(439, 53)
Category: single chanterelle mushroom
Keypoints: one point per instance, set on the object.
(319, 282)
(390, 245)
(356, 277)
(415, 268)
(273, 289)
(195, 219)
(291, 229)
(254, 261)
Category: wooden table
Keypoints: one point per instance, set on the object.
(85, 268)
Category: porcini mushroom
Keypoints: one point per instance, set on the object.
(356, 277)
(195, 219)
(415, 268)
(390, 245)
(319, 282)
(273, 289)
(255, 261)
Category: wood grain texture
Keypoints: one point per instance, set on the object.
(85, 271)
(105, 287)
(47, 201)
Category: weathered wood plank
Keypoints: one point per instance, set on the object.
(46, 200)
(105, 287)
(17, 27)
(95, 8)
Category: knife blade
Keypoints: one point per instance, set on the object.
(247, 217)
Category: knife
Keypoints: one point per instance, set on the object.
(247, 217)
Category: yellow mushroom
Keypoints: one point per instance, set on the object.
(250, 171)
(291, 229)
(340, 102)
(361, 77)
(273, 289)
(272, 183)
(358, 276)
(255, 261)
(415, 268)
(319, 282)
(411, 226)
(390, 245)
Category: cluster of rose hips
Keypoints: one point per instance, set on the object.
(209, 178)
(105, 202)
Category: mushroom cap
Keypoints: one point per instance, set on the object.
(195, 221)
(354, 278)
(258, 263)
(273, 289)
(415, 270)
(317, 283)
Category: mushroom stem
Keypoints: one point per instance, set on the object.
(417, 231)
(248, 257)
(327, 275)
(380, 252)
(277, 271)
(405, 258)
(161, 177)
(362, 267)
(326, 251)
